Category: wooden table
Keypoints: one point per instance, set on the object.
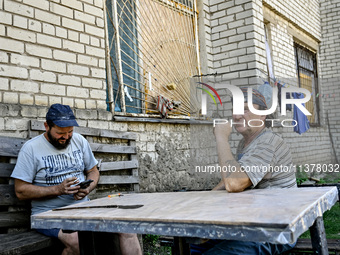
(271, 215)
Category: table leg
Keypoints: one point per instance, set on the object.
(98, 243)
(318, 236)
(181, 247)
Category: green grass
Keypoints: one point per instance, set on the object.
(332, 222)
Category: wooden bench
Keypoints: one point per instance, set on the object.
(15, 234)
(304, 246)
(117, 155)
(116, 152)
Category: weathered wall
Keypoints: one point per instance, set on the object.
(330, 65)
(164, 150)
(177, 150)
(54, 52)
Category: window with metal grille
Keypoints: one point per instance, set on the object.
(152, 51)
(308, 79)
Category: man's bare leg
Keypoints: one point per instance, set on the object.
(71, 243)
(129, 244)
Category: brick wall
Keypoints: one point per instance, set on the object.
(305, 14)
(237, 39)
(313, 146)
(52, 52)
(205, 36)
(329, 65)
(282, 45)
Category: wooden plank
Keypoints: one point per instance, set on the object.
(14, 219)
(6, 169)
(306, 244)
(109, 148)
(118, 165)
(118, 179)
(10, 146)
(105, 133)
(180, 246)
(22, 243)
(318, 236)
(134, 171)
(117, 134)
(8, 197)
(39, 125)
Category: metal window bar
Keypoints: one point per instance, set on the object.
(129, 38)
(122, 39)
(144, 56)
(139, 98)
(307, 78)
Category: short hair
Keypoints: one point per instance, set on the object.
(50, 123)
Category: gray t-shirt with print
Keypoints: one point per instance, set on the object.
(40, 163)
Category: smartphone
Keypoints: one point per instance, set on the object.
(84, 184)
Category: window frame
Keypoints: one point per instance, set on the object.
(316, 80)
(111, 102)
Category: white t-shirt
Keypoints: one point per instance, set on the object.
(40, 163)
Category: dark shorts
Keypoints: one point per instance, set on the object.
(49, 232)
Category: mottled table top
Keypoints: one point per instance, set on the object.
(278, 215)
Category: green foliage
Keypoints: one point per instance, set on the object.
(322, 181)
(151, 246)
(152, 239)
(299, 181)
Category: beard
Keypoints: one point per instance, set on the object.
(55, 142)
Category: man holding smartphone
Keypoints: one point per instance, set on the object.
(49, 169)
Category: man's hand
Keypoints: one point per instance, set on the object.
(65, 188)
(223, 131)
(81, 193)
(92, 174)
